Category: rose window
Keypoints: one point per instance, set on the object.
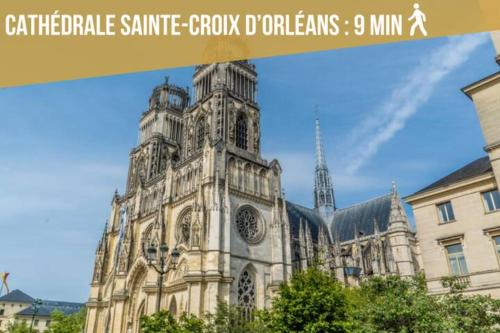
(249, 226)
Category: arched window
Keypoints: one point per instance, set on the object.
(241, 131)
(173, 307)
(264, 190)
(200, 133)
(328, 198)
(248, 178)
(233, 173)
(246, 294)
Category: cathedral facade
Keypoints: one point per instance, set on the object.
(199, 190)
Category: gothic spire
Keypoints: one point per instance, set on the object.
(320, 153)
(324, 200)
(101, 246)
(397, 217)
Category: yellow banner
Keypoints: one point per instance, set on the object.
(44, 41)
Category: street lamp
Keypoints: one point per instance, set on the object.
(157, 258)
(37, 303)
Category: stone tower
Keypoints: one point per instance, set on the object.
(399, 235)
(324, 200)
(196, 182)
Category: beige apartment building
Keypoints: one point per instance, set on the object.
(458, 216)
(496, 41)
(16, 306)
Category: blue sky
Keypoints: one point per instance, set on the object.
(388, 112)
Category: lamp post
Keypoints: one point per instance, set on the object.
(36, 306)
(157, 258)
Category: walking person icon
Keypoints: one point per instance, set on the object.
(419, 18)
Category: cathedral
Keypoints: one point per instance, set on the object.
(203, 217)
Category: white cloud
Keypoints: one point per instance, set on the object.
(408, 98)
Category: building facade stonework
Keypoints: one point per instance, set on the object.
(197, 182)
(496, 42)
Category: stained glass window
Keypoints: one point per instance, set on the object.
(248, 225)
(246, 295)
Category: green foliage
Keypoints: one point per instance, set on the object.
(226, 319)
(61, 323)
(19, 326)
(311, 302)
(392, 304)
(469, 314)
(164, 322)
(161, 322)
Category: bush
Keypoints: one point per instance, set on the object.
(311, 302)
(61, 323)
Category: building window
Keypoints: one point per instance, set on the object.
(496, 239)
(2, 312)
(246, 295)
(47, 323)
(241, 132)
(491, 200)
(35, 323)
(456, 259)
(446, 212)
(200, 133)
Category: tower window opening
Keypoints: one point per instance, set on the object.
(241, 132)
(200, 133)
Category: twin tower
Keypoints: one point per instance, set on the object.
(196, 182)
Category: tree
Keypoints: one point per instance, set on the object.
(312, 301)
(160, 322)
(61, 323)
(469, 313)
(394, 304)
(19, 326)
(164, 322)
(229, 319)
(226, 319)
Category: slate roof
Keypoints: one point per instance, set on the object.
(17, 296)
(476, 168)
(45, 309)
(362, 215)
(296, 212)
(48, 307)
